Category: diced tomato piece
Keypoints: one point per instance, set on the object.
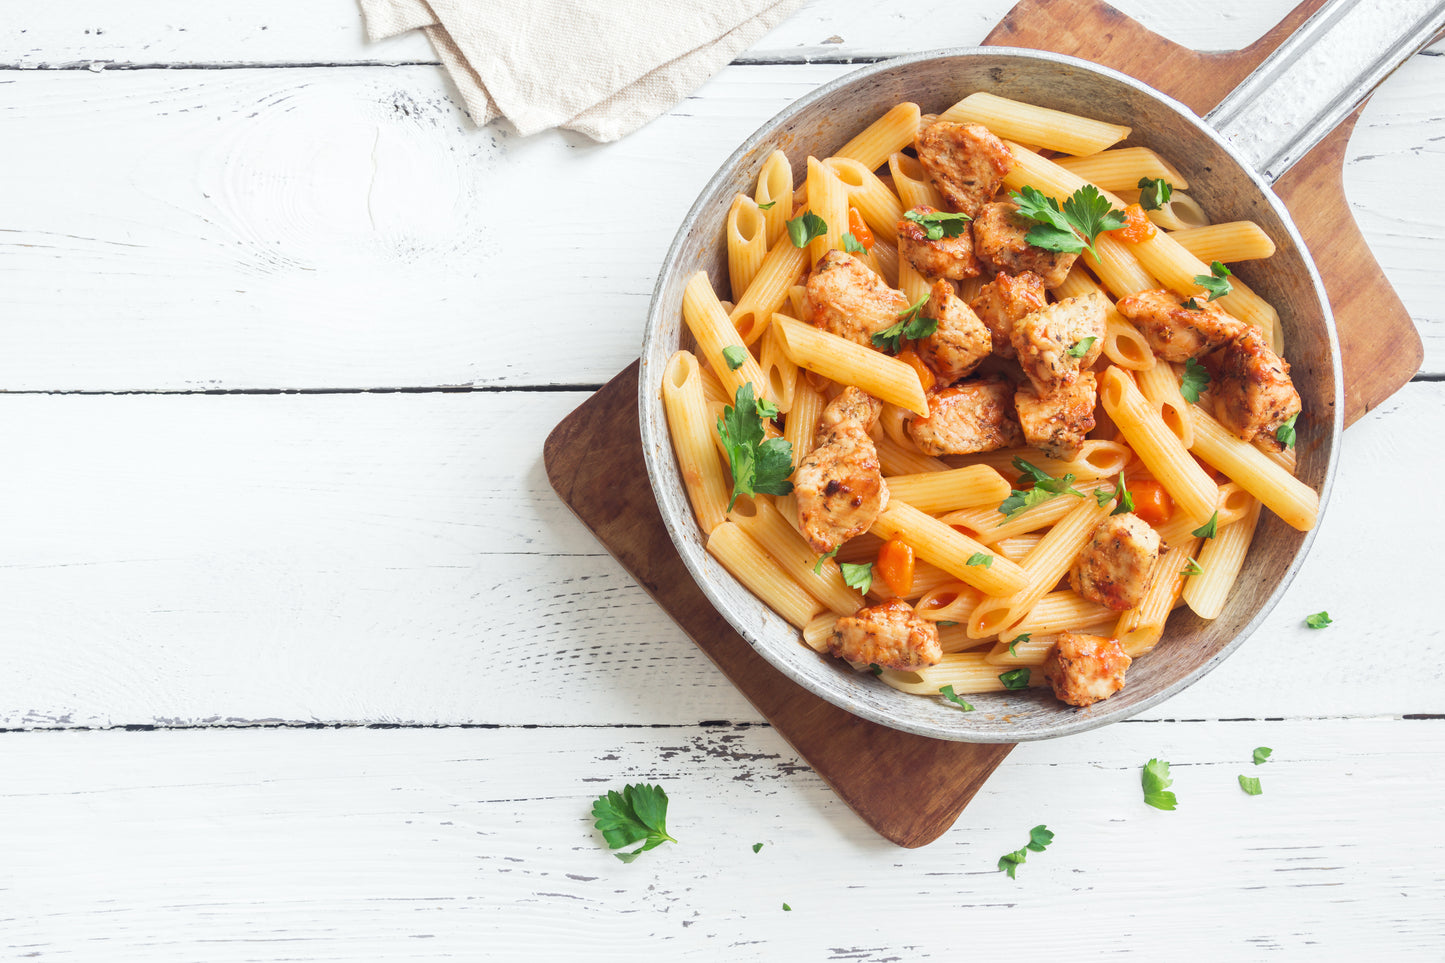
(859, 228)
(1151, 502)
(925, 374)
(1137, 226)
(895, 564)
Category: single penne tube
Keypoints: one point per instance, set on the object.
(1121, 168)
(1052, 129)
(1139, 629)
(944, 491)
(970, 288)
(798, 300)
(989, 526)
(954, 638)
(1173, 265)
(879, 206)
(819, 630)
(1282, 493)
(1285, 459)
(1037, 171)
(780, 270)
(1096, 459)
(713, 331)
(1233, 502)
(897, 459)
(764, 577)
(967, 672)
(1228, 242)
(860, 548)
(912, 185)
(951, 601)
(827, 198)
(775, 194)
(1014, 549)
(1058, 611)
(1159, 385)
(950, 550)
(801, 424)
(780, 374)
(1124, 345)
(1031, 651)
(1077, 283)
(712, 389)
(1179, 213)
(747, 240)
(848, 363)
(1157, 446)
(885, 255)
(915, 287)
(927, 577)
(1118, 267)
(888, 134)
(1221, 558)
(894, 421)
(780, 539)
(1042, 570)
(692, 433)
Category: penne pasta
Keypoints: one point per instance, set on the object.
(1221, 558)
(1096, 459)
(684, 404)
(827, 198)
(765, 296)
(820, 578)
(1193, 491)
(888, 134)
(950, 550)
(780, 374)
(764, 577)
(1234, 241)
(905, 460)
(1288, 497)
(1122, 168)
(943, 491)
(1159, 384)
(849, 363)
(967, 672)
(709, 324)
(1051, 129)
(912, 185)
(775, 195)
(1140, 628)
(747, 240)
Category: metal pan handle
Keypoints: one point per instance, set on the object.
(1319, 75)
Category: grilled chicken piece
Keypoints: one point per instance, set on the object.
(961, 341)
(889, 635)
(1005, 300)
(849, 300)
(1000, 242)
(1177, 333)
(839, 484)
(1253, 394)
(1114, 567)
(947, 257)
(968, 417)
(1056, 424)
(966, 162)
(1085, 669)
(1042, 340)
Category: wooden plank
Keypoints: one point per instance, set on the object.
(463, 844)
(194, 560)
(343, 228)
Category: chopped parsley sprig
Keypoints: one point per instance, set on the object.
(911, 326)
(1194, 380)
(939, 224)
(805, 227)
(1039, 839)
(1154, 193)
(638, 814)
(1156, 782)
(758, 464)
(1046, 486)
(1074, 226)
(1216, 282)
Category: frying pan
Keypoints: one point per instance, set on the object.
(1272, 119)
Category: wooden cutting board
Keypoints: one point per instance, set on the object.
(908, 788)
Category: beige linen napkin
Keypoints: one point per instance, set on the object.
(600, 67)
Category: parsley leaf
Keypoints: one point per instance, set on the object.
(1319, 620)
(979, 558)
(1195, 379)
(875, 668)
(1009, 862)
(1193, 568)
(1262, 754)
(852, 245)
(1216, 281)
(1209, 529)
(1081, 347)
(1015, 678)
(1154, 193)
(939, 224)
(757, 465)
(637, 814)
(757, 847)
(858, 576)
(911, 325)
(1155, 780)
(1192, 305)
(818, 565)
(805, 227)
(1285, 433)
(767, 207)
(1250, 784)
(1123, 496)
(948, 693)
(1039, 839)
(734, 356)
(1072, 228)
(1045, 487)
(1023, 637)
(787, 908)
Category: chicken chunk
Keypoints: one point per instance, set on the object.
(1000, 242)
(1056, 424)
(1085, 669)
(849, 300)
(966, 162)
(946, 257)
(961, 341)
(1114, 567)
(1177, 333)
(1005, 300)
(1253, 394)
(1045, 339)
(839, 484)
(968, 417)
(890, 635)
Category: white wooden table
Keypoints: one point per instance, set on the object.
(303, 660)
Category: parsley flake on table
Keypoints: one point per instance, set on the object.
(1039, 839)
(1284, 434)
(980, 558)
(757, 847)
(1216, 282)
(1023, 637)
(1046, 486)
(948, 693)
(758, 464)
(787, 908)
(1015, 678)
(852, 245)
(1194, 380)
(1209, 529)
(1081, 347)
(1262, 754)
(818, 565)
(1154, 192)
(1250, 784)
(1156, 780)
(1319, 620)
(1074, 226)
(638, 814)
(858, 576)
(734, 356)
(805, 227)
(939, 224)
(910, 326)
